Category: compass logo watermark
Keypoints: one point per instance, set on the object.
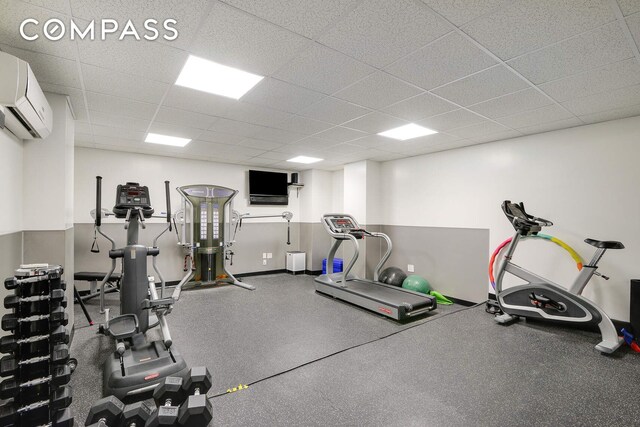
(55, 29)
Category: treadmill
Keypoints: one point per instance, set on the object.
(387, 300)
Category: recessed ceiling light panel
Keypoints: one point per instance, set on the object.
(174, 141)
(304, 159)
(409, 131)
(208, 76)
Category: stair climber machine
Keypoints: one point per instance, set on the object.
(542, 299)
(391, 301)
(137, 365)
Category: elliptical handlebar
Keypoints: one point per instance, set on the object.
(521, 220)
(98, 201)
(168, 196)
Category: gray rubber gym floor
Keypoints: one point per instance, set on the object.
(455, 367)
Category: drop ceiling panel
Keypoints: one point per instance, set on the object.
(278, 135)
(308, 143)
(340, 134)
(598, 47)
(82, 128)
(619, 98)
(259, 161)
(488, 84)
(602, 79)
(629, 7)
(260, 144)
(498, 136)
(220, 137)
(14, 12)
(524, 25)
(280, 95)
(443, 61)
(235, 38)
(633, 22)
(517, 102)
(139, 88)
(112, 104)
(377, 91)
(256, 114)
(461, 12)
(618, 113)
(304, 125)
(117, 133)
(332, 110)
(305, 17)
(478, 130)
(48, 68)
(184, 118)
(322, 69)
(375, 122)
(420, 107)
(199, 102)
(538, 116)
(117, 121)
(553, 125)
(371, 141)
(235, 127)
(379, 32)
(450, 120)
(275, 155)
(151, 60)
(77, 98)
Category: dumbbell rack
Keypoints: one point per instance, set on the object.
(37, 369)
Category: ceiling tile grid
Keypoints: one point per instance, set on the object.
(337, 72)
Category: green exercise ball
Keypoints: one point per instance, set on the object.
(416, 283)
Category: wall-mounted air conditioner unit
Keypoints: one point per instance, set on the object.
(28, 115)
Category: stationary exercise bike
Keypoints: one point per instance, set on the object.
(137, 365)
(541, 298)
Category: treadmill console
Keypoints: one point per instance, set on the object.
(343, 224)
(132, 196)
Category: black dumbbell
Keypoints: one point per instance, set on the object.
(136, 414)
(58, 355)
(59, 334)
(168, 395)
(106, 412)
(197, 381)
(13, 301)
(60, 375)
(28, 287)
(63, 418)
(36, 323)
(197, 410)
(60, 399)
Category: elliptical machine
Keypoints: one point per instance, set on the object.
(137, 366)
(541, 298)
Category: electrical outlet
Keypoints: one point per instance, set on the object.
(269, 255)
(411, 268)
(264, 262)
(264, 255)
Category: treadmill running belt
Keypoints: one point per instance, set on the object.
(387, 295)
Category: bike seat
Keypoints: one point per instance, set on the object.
(604, 244)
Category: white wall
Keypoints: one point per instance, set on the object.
(337, 193)
(584, 179)
(119, 167)
(11, 154)
(316, 195)
(48, 173)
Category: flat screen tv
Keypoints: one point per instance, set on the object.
(268, 188)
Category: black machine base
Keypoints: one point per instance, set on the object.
(140, 369)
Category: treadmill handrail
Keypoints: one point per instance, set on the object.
(383, 260)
